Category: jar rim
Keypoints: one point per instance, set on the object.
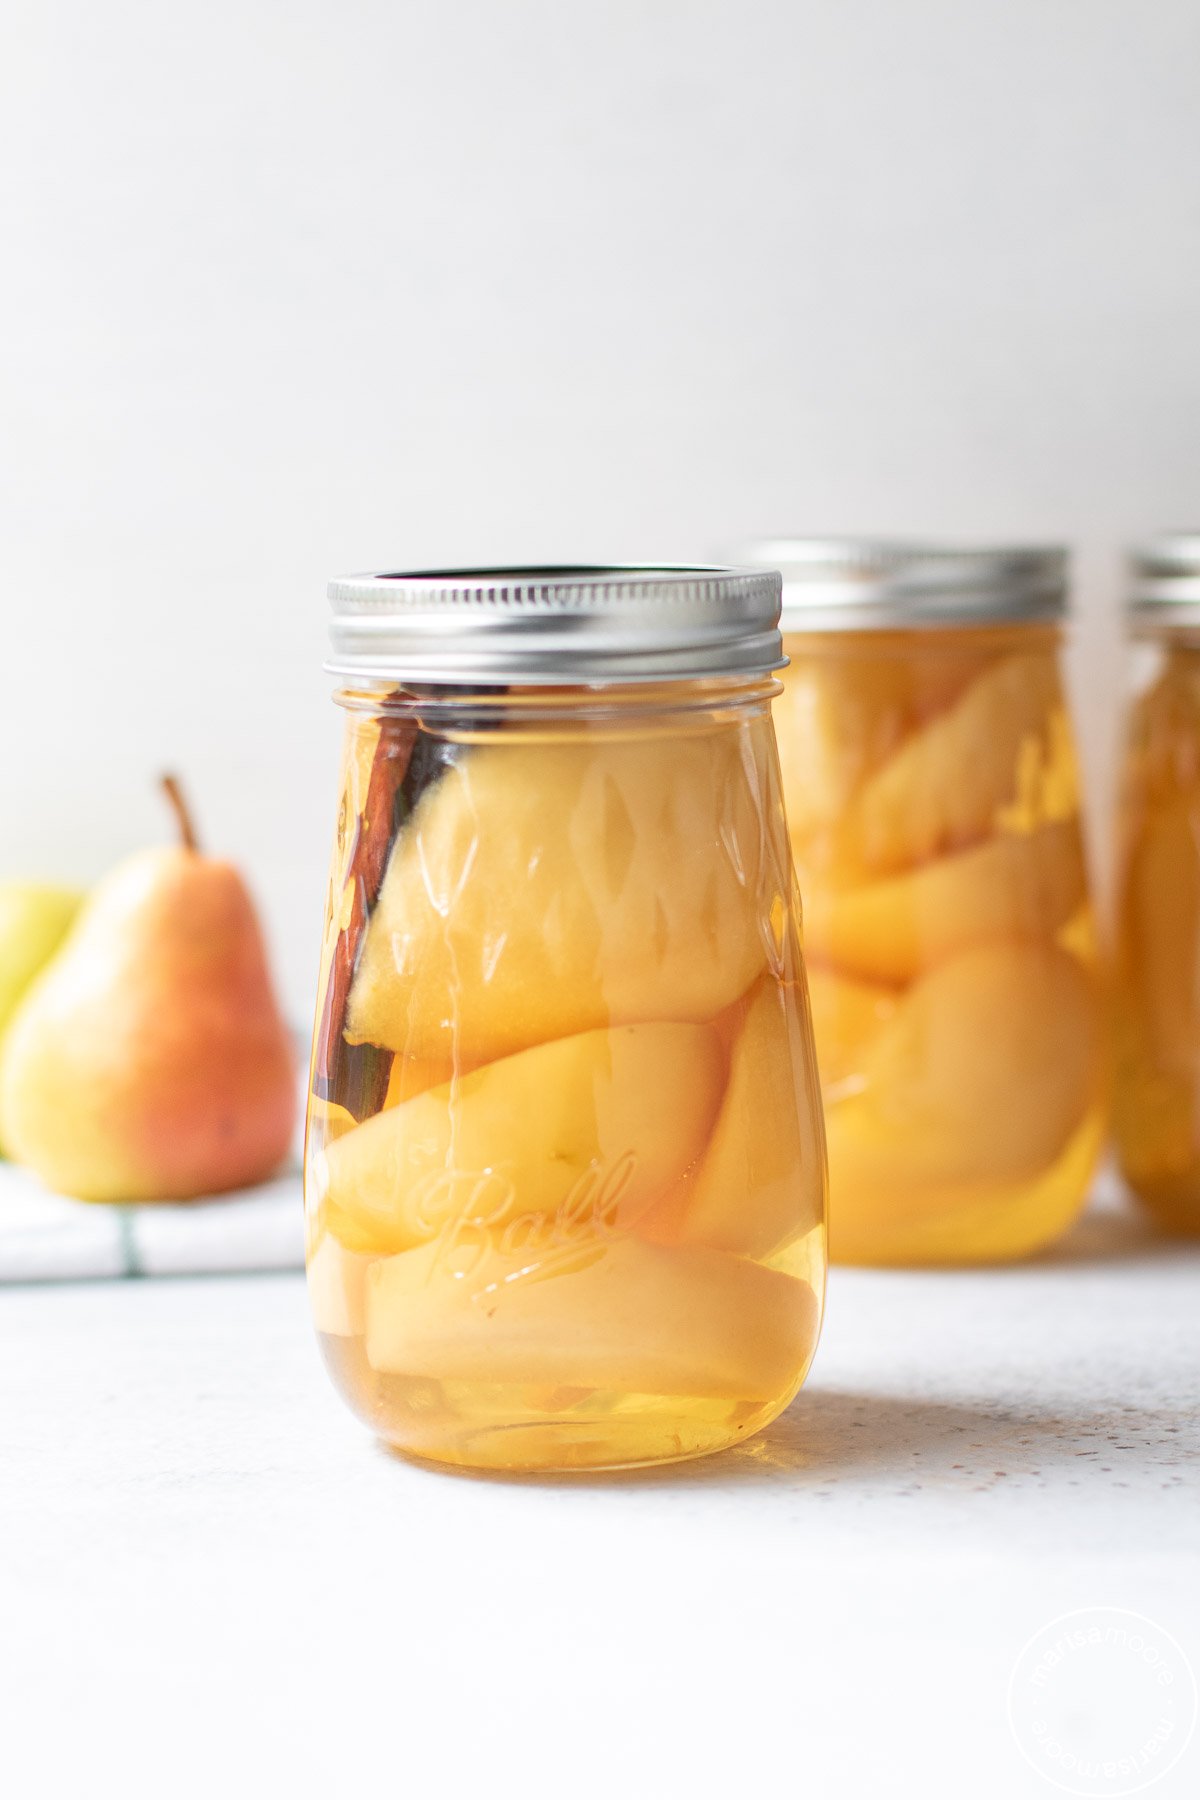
(872, 584)
(1164, 582)
(560, 624)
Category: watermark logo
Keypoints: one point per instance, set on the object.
(1102, 1701)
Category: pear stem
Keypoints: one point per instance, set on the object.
(179, 806)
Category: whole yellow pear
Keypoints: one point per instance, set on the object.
(34, 919)
(149, 1061)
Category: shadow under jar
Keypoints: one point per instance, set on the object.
(1157, 1002)
(565, 1166)
(932, 796)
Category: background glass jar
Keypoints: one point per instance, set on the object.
(565, 1169)
(932, 797)
(1157, 999)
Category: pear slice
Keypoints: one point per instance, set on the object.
(625, 1316)
(587, 1130)
(410, 1077)
(1160, 936)
(984, 1072)
(762, 1181)
(1162, 734)
(337, 1288)
(1018, 885)
(541, 890)
(847, 1016)
(844, 710)
(945, 785)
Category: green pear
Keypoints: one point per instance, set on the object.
(149, 1059)
(34, 919)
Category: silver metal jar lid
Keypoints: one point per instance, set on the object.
(1164, 584)
(555, 626)
(860, 584)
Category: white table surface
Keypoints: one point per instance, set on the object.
(213, 1582)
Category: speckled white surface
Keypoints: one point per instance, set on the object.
(213, 1583)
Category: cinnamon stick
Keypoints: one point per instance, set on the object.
(356, 1075)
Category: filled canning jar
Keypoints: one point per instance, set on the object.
(1157, 999)
(565, 1166)
(932, 797)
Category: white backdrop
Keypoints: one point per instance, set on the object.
(290, 287)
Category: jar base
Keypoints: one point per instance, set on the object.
(489, 1428)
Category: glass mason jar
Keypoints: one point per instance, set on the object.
(1157, 999)
(565, 1166)
(930, 780)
